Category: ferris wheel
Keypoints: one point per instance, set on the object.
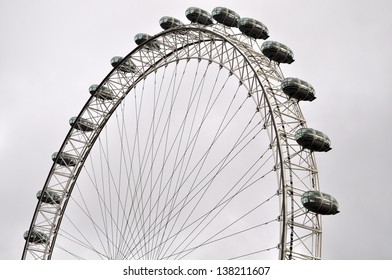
(192, 147)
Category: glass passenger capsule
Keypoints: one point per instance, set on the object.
(169, 22)
(142, 38)
(313, 140)
(225, 16)
(277, 52)
(320, 203)
(126, 66)
(36, 237)
(64, 159)
(199, 16)
(298, 89)
(253, 28)
(48, 197)
(82, 124)
(103, 92)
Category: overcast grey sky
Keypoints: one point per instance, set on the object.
(52, 51)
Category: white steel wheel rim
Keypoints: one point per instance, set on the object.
(299, 232)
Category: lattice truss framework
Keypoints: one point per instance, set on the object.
(295, 168)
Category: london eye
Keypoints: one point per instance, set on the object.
(193, 146)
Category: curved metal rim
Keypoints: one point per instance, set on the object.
(180, 32)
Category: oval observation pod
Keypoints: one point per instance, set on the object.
(199, 16)
(124, 66)
(320, 203)
(253, 28)
(82, 124)
(169, 22)
(142, 38)
(313, 140)
(103, 93)
(48, 197)
(225, 16)
(277, 52)
(36, 237)
(298, 89)
(64, 159)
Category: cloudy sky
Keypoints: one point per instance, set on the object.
(51, 51)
